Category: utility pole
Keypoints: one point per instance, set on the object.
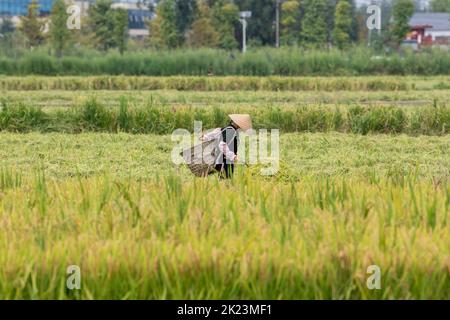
(244, 16)
(277, 24)
(244, 35)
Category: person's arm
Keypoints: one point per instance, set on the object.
(230, 155)
(211, 135)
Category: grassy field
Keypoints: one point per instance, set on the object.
(142, 227)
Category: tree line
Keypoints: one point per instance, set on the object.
(215, 24)
(305, 23)
(103, 28)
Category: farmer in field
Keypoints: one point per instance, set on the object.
(228, 138)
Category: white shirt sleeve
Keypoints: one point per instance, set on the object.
(223, 147)
(230, 155)
(211, 135)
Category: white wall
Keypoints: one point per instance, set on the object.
(435, 34)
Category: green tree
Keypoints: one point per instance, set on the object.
(402, 12)
(120, 29)
(225, 15)
(314, 23)
(174, 17)
(101, 24)
(342, 24)
(59, 34)
(185, 13)
(32, 26)
(355, 27)
(203, 33)
(290, 17)
(440, 5)
(108, 25)
(163, 29)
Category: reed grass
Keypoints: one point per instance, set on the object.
(260, 62)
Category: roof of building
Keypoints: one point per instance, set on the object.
(439, 21)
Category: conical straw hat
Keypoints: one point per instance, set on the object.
(244, 121)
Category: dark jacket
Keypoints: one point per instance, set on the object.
(230, 137)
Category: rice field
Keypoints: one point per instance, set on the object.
(226, 83)
(109, 199)
(50, 99)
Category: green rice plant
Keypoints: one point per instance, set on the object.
(432, 119)
(95, 117)
(22, 118)
(9, 179)
(377, 119)
(123, 117)
(92, 115)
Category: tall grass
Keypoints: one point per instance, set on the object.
(259, 62)
(94, 116)
(168, 239)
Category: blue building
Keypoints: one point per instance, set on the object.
(137, 18)
(138, 13)
(20, 7)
